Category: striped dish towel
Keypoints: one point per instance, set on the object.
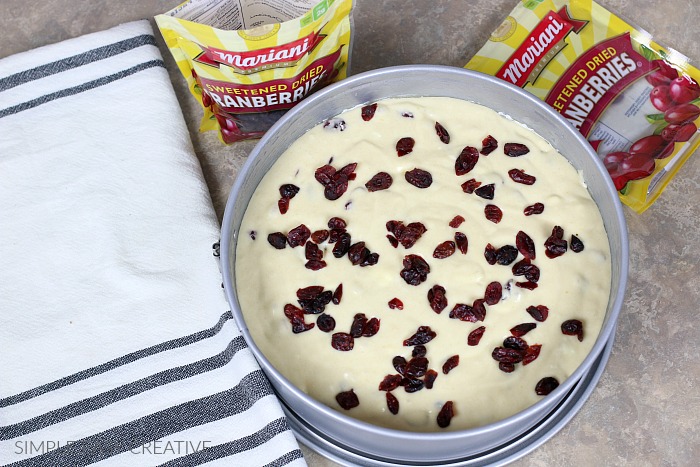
(116, 346)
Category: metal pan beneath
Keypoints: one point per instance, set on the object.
(501, 455)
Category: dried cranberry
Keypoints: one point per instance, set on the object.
(404, 146)
(337, 223)
(395, 303)
(437, 298)
(298, 236)
(393, 241)
(315, 304)
(532, 353)
(529, 285)
(342, 245)
(546, 385)
(445, 415)
(419, 178)
(442, 133)
(479, 309)
(380, 181)
(342, 341)
(358, 324)
(466, 161)
(463, 312)
(415, 270)
(399, 364)
(470, 185)
(337, 294)
(525, 268)
(506, 254)
(539, 312)
(311, 292)
(576, 244)
(462, 242)
(519, 176)
(475, 336)
(444, 250)
(312, 251)
(358, 253)
(315, 264)
(283, 205)
(506, 367)
(537, 208)
(325, 323)
(419, 351)
(392, 403)
(429, 378)
(411, 385)
(296, 318)
(493, 213)
(456, 221)
(506, 355)
(450, 364)
(573, 327)
(422, 336)
(347, 399)
(515, 149)
(486, 191)
(525, 245)
(368, 112)
(390, 382)
(319, 236)
(371, 327)
(522, 329)
(407, 235)
(288, 191)
(252, 235)
(493, 294)
(514, 342)
(416, 367)
(490, 254)
(335, 182)
(555, 245)
(488, 145)
(277, 240)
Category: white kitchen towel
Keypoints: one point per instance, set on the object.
(116, 343)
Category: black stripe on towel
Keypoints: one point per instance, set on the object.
(137, 433)
(238, 446)
(126, 359)
(98, 53)
(80, 88)
(122, 392)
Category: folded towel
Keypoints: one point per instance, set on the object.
(116, 345)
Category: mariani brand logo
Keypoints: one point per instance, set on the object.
(539, 48)
(253, 61)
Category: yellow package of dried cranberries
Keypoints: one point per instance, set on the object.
(636, 101)
(247, 62)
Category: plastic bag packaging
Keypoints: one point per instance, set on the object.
(636, 101)
(249, 61)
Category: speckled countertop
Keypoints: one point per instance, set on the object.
(645, 409)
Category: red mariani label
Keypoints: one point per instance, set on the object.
(544, 42)
(593, 81)
(279, 94)
(253, 61)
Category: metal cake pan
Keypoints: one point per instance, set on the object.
(395, 446)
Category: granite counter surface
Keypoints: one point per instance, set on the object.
(644, 410)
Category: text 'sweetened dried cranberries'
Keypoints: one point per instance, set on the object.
(419, 178)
